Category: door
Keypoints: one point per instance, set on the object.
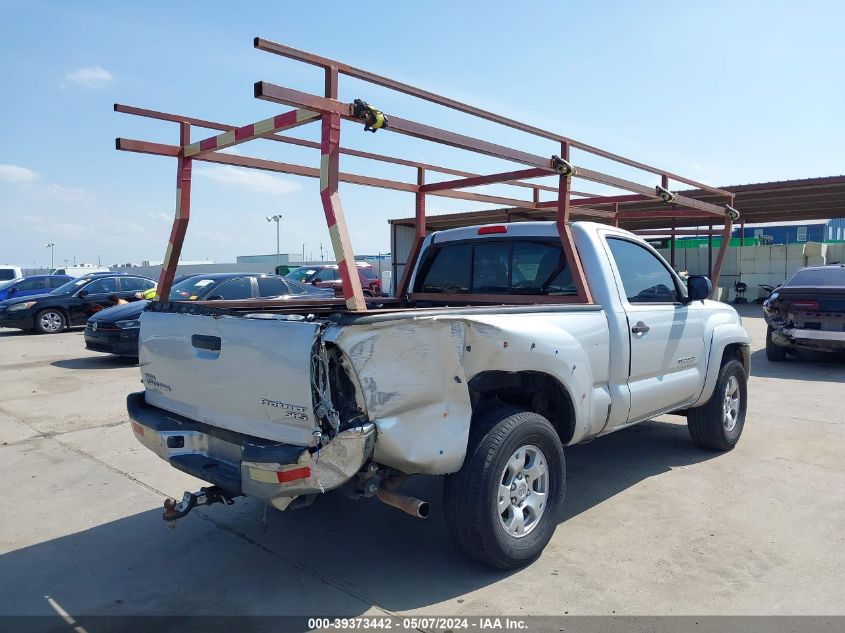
(92, 298)
(666, 335)
(233, 290)
(132, 287)
(31, 286)
(272, 287)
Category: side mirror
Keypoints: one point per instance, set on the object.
(699, 287)
(82, 294)
(12, 290)
(317, 282)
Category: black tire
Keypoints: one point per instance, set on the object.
(708, 425)
(50, 321)
(774, 352)
(471, 496)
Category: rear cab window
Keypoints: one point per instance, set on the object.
(496, 267)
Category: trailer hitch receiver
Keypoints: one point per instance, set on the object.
(190, 500)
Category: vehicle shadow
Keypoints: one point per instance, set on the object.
(815, 367)
(228, 561)
(106, 361)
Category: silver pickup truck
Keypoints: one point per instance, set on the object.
(284, 406)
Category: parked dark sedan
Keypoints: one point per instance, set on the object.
(115, 330)
(807, 312)
(70, 304)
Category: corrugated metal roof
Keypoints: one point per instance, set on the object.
(782, 201)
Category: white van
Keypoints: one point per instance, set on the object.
(79, 271)
(9, 272)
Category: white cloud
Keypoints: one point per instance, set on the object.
(252, 180)
(160, 216)
(62, 194)
(16, 174)
(90, 77)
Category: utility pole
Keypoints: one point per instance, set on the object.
(51, 246)
(303, 253)
(276, 218)
(321, 251)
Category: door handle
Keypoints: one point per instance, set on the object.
(640, 328)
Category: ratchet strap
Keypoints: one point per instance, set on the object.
(373, 118)
(562, 166)
(665, 195)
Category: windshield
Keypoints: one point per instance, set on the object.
(303, 273)
(191, 288)
(367, 272)
(815, 277)
(70, 287)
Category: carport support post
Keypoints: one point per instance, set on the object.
(672, 239)
(562, 221)
(180, 221)
(419, 235)
(710, 250)
(723, 248)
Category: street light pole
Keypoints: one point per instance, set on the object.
(276, 219)
(51, 246)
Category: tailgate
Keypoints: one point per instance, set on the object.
(249, 375)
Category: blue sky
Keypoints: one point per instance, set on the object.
(723, 92)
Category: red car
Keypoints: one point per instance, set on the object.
(328, 275)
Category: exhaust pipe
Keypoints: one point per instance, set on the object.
(414, 507)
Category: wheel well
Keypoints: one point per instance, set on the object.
(529, 390)
(57, 309)
(737, 351)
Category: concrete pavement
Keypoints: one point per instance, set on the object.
(653, 525)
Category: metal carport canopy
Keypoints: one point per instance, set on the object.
(778, 201)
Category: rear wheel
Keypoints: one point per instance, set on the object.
(504, 504)
(718, 424)
(49, 321)
(774, 352)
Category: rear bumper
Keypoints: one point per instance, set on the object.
(273, 472)
(820, 340)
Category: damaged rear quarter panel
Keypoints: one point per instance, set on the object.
(414, 376)
(414, 388)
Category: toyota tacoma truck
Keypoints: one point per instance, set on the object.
(284, 405)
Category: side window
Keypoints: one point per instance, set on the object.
(449, 272)
(31, 284)
(540, 269)
(240, 288)
(645, 278)
(134, 284)
(55, 282)
(101, 286)
(272, 287)
(325, 274)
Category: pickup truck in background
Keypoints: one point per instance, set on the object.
(284, 405)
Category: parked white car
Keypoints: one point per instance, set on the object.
(79, 271)
(9, 272)
(285, 405)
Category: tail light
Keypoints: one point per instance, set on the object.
(806, 305)
(487, 230)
